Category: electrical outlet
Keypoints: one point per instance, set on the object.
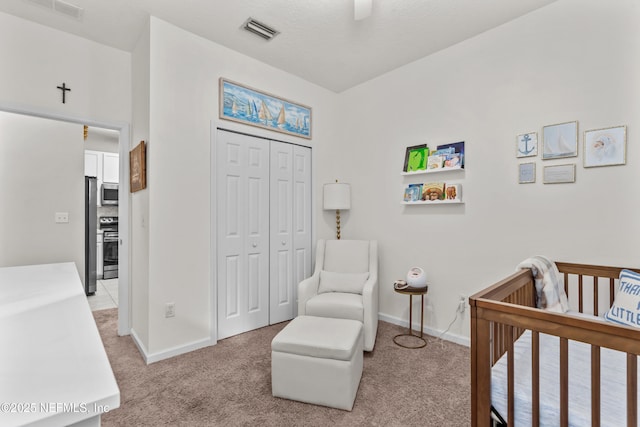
(170, 309)
(462, 304)
(62, 217)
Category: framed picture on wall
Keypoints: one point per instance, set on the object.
(527, 145)
(243, 104)
(605, 147)
(527, 173)
(138, 168)
(560, 140)
(559, 174)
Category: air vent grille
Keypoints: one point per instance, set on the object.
(61, 7)
(260, 29)
(68, 9)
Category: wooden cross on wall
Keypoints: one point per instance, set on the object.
(64, 90)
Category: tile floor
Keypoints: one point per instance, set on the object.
(106, 295)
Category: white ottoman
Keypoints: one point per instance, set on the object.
(318, 360)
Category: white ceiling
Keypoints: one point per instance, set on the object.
(319, 41)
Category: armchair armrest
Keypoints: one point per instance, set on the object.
(306, 290)
(370, 305)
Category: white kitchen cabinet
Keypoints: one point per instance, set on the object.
(100, 257)
(93, 164)
(110, 167)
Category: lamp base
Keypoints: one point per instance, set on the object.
(338, 224)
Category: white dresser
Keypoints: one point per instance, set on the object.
(54, 370)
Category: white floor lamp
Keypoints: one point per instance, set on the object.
(337, 196)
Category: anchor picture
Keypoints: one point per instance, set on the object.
(527, 145)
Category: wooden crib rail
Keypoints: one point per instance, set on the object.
(499, 315)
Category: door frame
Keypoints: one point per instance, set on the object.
(216, 125)
(124, 309)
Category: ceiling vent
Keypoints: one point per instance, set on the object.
(68, 9)
(260, 29)
(61, 7)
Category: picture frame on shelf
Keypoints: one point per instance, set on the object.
(560, 140)
(527, 173)
(453, 192)
(605, 147)
(435, 162)
(413, 193)
(432, 191)
(458, 148)
(415, 158)
(559, 174)
(527, 144)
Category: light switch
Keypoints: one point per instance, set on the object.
(62, 217)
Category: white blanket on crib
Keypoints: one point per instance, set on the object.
(551, 294)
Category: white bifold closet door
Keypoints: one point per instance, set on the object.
(263, 221)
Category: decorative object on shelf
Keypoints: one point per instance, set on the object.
(415, 158)
(250, 106)
(416, 277)
(526, 173)
(337, 196)
(435, 162)
(433, 191)
(560, 140)
(527, 145)
(138, 168)
(559, 174)
(458, 147)
(605, 147)
(413, 193)
(453, 192)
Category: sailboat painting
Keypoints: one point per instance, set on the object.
(560, 140)
(243, 104)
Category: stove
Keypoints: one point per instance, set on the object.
(110, 240)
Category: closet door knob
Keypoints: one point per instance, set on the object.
(254, 245)
(284, 243)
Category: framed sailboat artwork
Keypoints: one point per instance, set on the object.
(560, 140)
(242, 104)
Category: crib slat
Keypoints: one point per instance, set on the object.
(535, 378)
(595, 296)
(510, 379)
(595, 386)
(612, 290)
(564, 382)
(566, 283)
(580, 293)
(632, 390)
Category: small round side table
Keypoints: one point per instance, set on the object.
(411, 292)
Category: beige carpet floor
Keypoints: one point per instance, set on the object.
(229, 384)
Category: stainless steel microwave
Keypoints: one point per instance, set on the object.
(109, 194)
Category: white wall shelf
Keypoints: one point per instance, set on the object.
(434, 202)
(412, 173)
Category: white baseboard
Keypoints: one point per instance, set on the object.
(168, 353)
(458, 339)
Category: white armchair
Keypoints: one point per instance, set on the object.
(344, 285)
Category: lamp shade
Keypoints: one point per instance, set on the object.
(337, 196)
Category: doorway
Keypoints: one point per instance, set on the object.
(123, 129)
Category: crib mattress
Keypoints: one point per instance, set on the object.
(612, 389)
